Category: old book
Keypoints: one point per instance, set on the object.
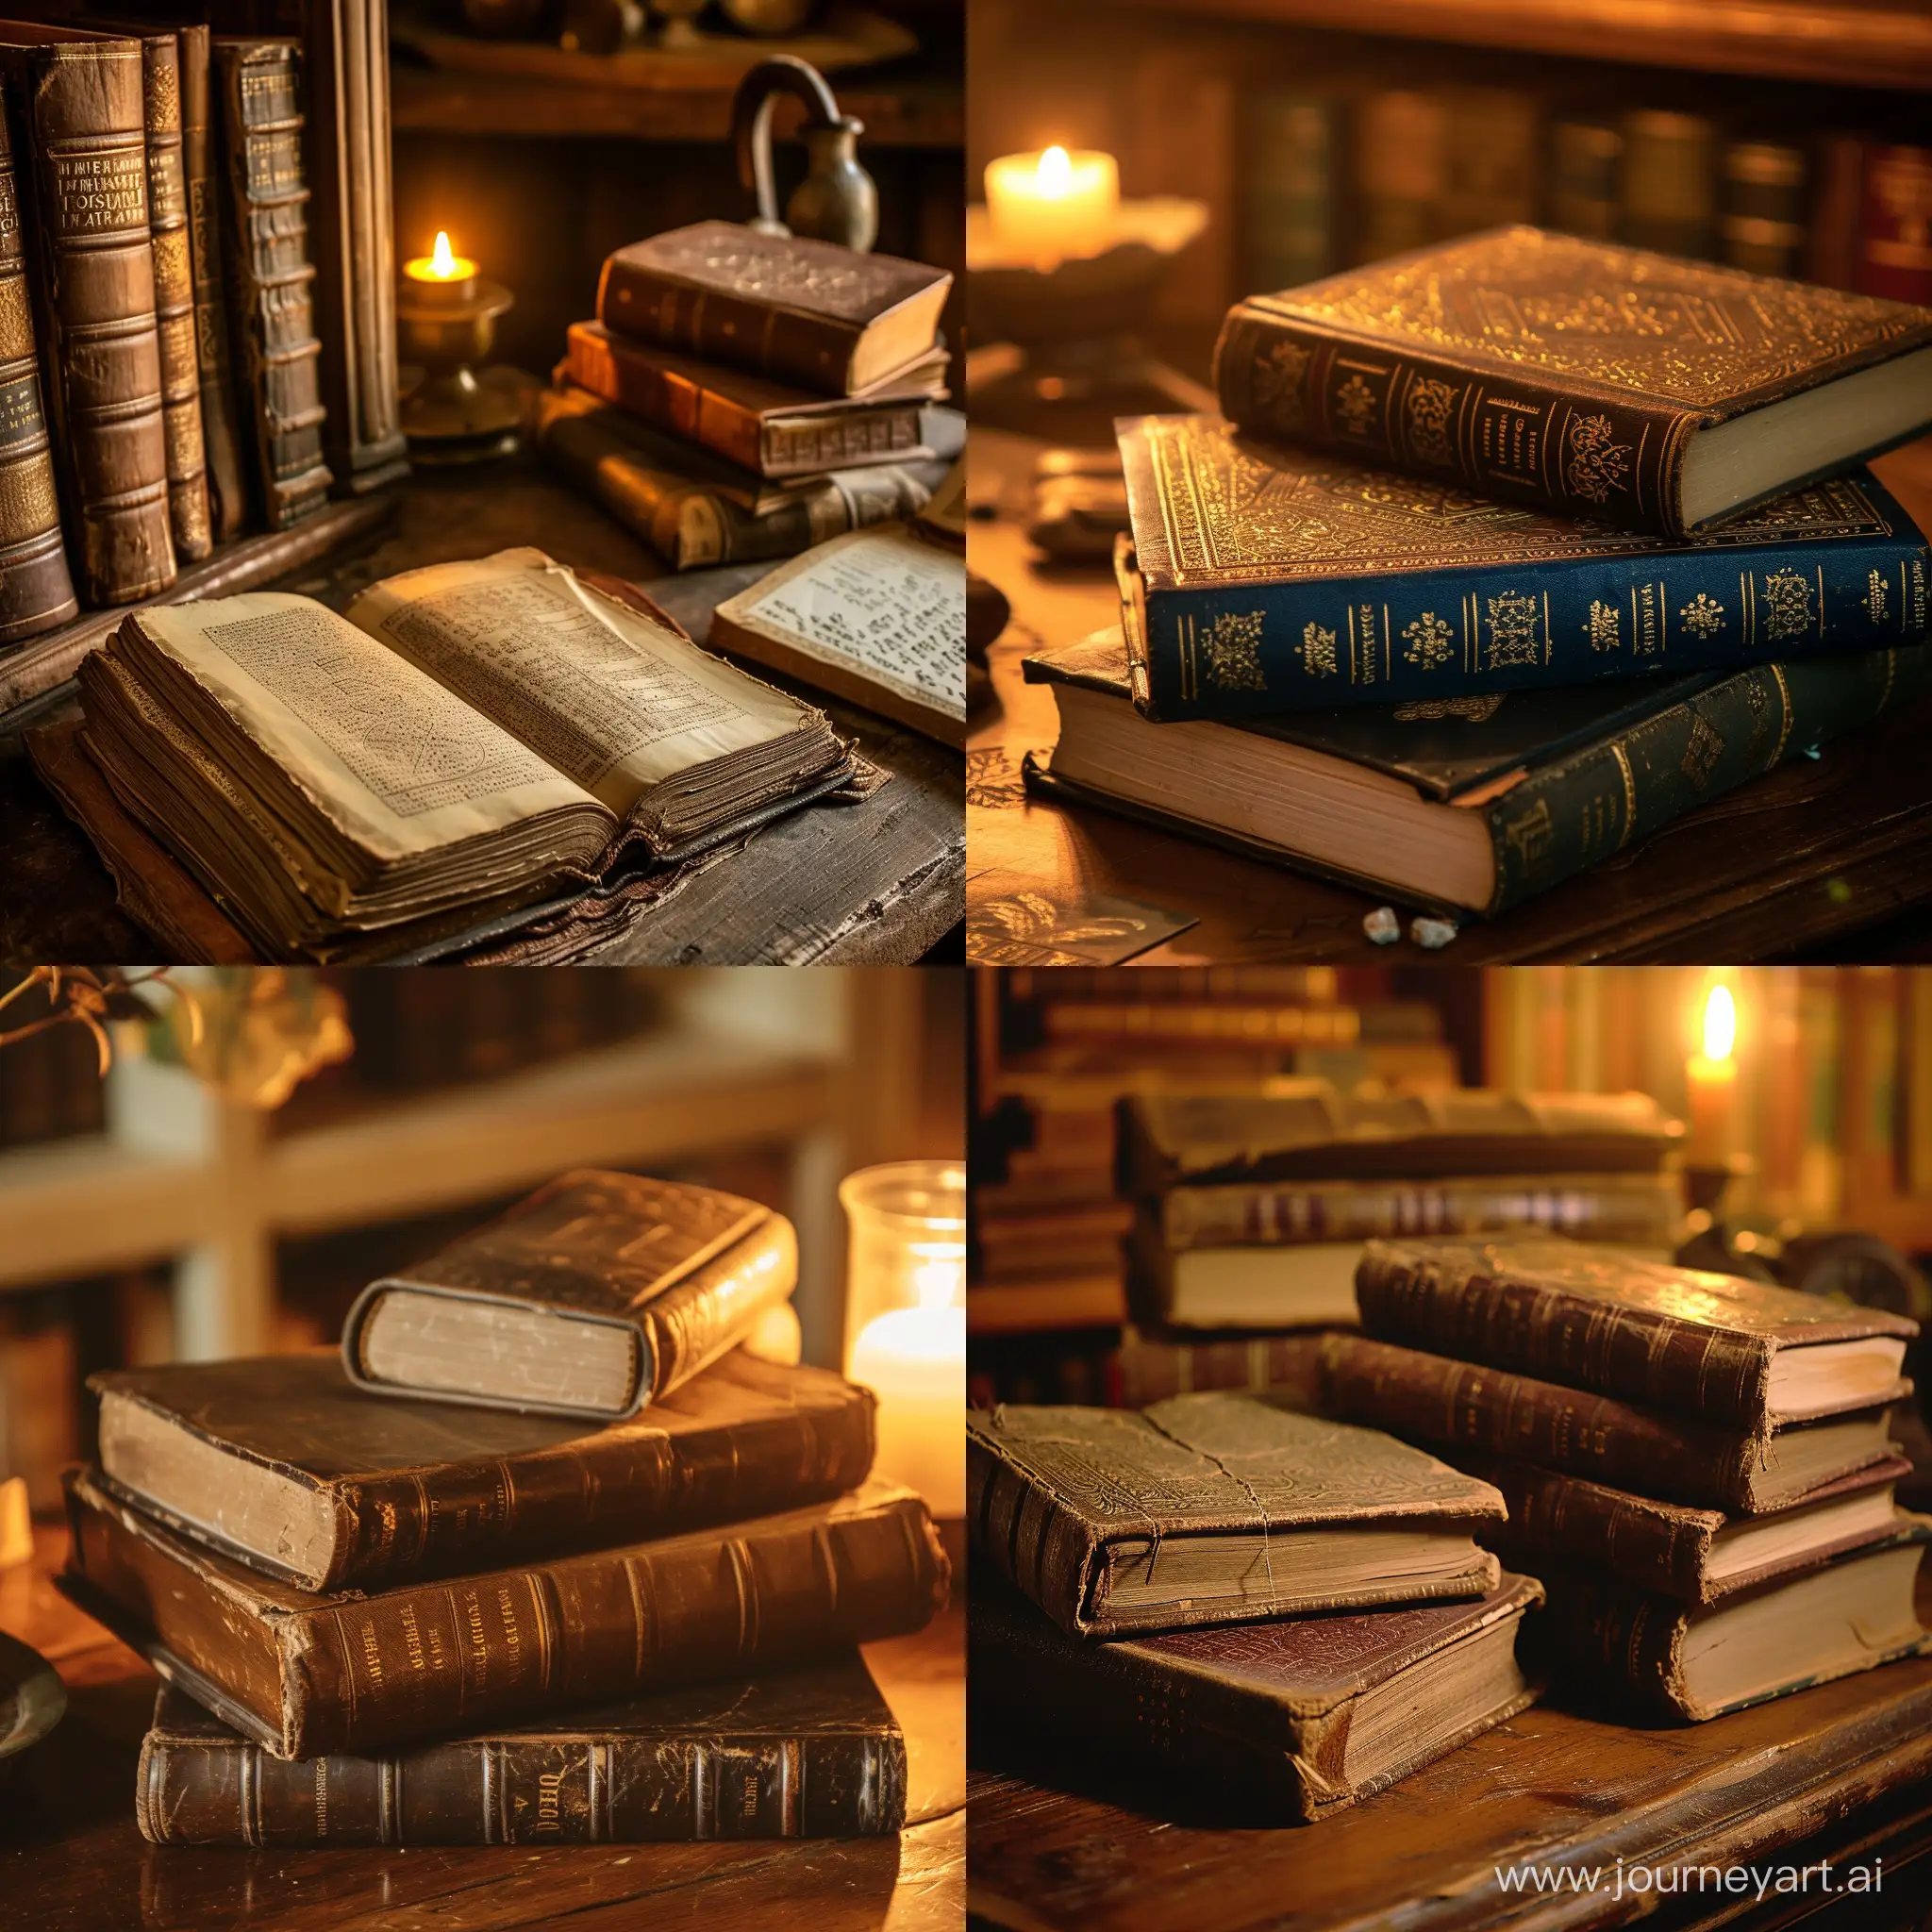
(1401, 171)
(1669, 183)
(271, 280)
(1310, 1285)
(1767, 191)
(468, 739)
(36, 587)
(1633, 1651)
(1491, 155)
(812, 1753)
(764, 427)
(1696, 1556)
(597, 1294)
(1294, 169)
(1457, 1405)
(877, 618)
(76, 104)
(1266, 580)
(1716, 1347)
(1894, 250)
(304, 1674)
(283, 1465)
(227, 493)
(1605, 382)
(800, 311)
(696, 511)
(1297, 1718)
(1586, 158)
(1214, 1509)
(1156, 1364)
(1471, 803)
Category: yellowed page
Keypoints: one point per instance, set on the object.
(401, 764)
(600, 691)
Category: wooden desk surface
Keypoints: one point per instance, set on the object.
(873, 884)
(73, 1860)
(1798, 863)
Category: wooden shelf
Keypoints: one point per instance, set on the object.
(1876, 43)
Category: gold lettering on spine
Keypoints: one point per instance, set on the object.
(1784, 698)
(1622, 757)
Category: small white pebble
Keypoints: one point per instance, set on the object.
(1382, 927)
(1432, 935)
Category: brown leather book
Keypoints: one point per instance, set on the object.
(597, 1294)
(1291, 1719)
(1214, 1509)
(35, 589)
(281, 1463)
(271, 279)
(227, 493)
(762, 427)
(1715, 1347)
(1696, 1556)
(303, 1676)
(813, 1753)
(1606, 382)
(1154, 1364)
(1460, 1407)
(1631, 1653)
(808, 312)
(77, 103)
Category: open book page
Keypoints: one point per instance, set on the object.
(401, 764)
(597, 690)
(879, 602)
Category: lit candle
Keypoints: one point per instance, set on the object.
(914, 1360)
(442, 275)
(1047, 206)
(1713, 1081)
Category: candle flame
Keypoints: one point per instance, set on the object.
(1720, 1024)
(1054, 174)
(442, 260)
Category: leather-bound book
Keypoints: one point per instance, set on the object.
(1629, 1652)
(1293, 1719)
(271, 279)
(812, 1753)
(597, 1294)
(1602, 381)
(76, 100)
(1460, 1407)
(280, 1462)
(809, 312)
(1262, 581)
(1239, 1284)
(201, 166)
(304, 1675)
(36, 589)
(1718, 1348)
(1154, 1364)
(1214, 1509)
(1698, 1555)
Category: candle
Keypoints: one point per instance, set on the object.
(914, 1360)
(442, 275)
(1713, 1082)
(1047, 206)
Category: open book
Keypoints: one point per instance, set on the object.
(465, 741)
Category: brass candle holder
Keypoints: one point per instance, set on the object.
(458, 412)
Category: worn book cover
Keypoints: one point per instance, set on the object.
(1298, 1716)
(304, 1673)
(1075, 1505)
(1529, 366)
(1265, 580)
(811, 1753)
(283, 1463)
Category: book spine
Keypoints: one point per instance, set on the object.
(583, 1789)
(716, 1307)
(1461, 1405)
(1765, 195)
(1294, 189)
(665, 398)
(1509, 438)
(273, 277)
(808, 445)
(1576, 813)
(90, 161)
(35, 589)
(1670, 183)
(167, 213)
(814, 351)
(1585, 159)
(1489, 159)
(1153, 1368)
(1550, 1515)
(1624, 1646)
(1255, 650)
(227, 493)
(1401, 172)
(1838, 211)
(1895, 246)
(1021, 1529)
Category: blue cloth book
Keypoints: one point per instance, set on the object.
(1261, 579)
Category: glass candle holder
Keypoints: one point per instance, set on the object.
(906, 1320)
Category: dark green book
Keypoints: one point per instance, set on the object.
(1472, 803)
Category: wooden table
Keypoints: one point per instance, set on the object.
(72, 1859)
(1825, 859)
(880, 883)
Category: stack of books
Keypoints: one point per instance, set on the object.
(1234, 1598)
(742, 396)
(1699, 1468)
(545, 1555)
(1507, 552)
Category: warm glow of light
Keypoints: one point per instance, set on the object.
(442, 260)
(1056, 173)
(1720, 1024)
